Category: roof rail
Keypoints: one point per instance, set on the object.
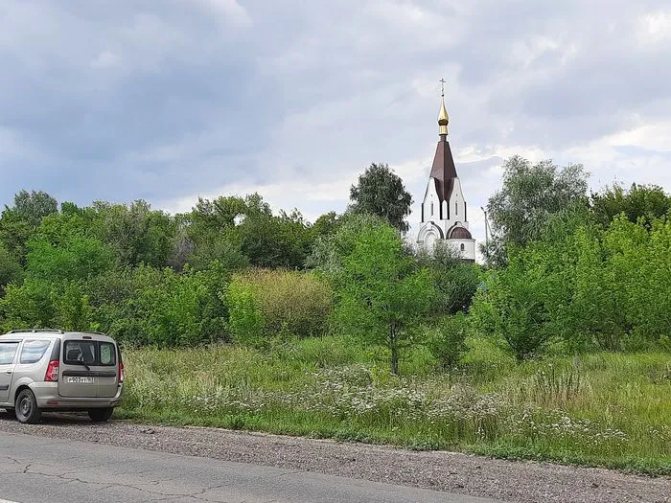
(36, 331)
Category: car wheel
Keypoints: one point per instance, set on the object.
(26, 408)
(101, 415)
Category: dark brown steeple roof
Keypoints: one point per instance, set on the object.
(443, 171)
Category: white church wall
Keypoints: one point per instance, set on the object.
(465, 247)
(456, 203)
(431, 204)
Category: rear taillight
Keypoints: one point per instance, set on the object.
(120, 371)
(52, 371)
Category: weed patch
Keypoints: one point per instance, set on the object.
(605, 409)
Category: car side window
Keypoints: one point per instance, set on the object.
(33, 351)
(7, 352)
(107, 354)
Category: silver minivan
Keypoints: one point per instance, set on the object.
(51, 370)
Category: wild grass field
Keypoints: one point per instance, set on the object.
(602, 409)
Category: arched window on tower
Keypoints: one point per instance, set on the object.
(431, 208)
(456, 207)
(462, 247)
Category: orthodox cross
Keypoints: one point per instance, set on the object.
(442, 87)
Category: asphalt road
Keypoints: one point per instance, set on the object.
(36, 469)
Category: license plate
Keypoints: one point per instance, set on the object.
(80, 380)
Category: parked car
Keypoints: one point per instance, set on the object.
(51, 370)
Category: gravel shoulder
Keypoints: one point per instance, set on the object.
(438, 470)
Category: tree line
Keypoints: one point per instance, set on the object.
(574, 270)
(564, 269)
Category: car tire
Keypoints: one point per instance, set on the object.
(26, 409)
(101, 415)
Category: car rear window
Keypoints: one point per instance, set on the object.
(7, 352)
(33, 351)
(95, 353)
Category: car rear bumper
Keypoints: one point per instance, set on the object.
(46, 394)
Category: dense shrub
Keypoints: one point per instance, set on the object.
(447, 339)
(27, 305)
(455, 281)
(513, 307)
(265, 304)
(76, 258)
(159, 306)
(10, 268)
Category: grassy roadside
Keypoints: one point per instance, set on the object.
(604, 409)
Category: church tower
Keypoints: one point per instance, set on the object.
(444, 214)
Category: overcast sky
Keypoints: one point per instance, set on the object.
(168, 100)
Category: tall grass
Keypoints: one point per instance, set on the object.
(607, 409)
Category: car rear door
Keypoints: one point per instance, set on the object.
(8, 350)
(89, 368)
(77, 379)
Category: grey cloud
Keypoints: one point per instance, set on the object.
(119, 100)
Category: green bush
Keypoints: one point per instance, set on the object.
(447, 339)
(159, 306)
(265, 304)
(515, 306)
(76, 258)
(10, 268)
(245, 320)
(456, 281)
(72, 309)
(28, 305)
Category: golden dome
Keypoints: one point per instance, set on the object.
(443, 118)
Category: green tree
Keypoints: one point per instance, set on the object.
(641, 202)
(598, 309)
(225, 212)
(10, 269)
(530, 196)
(455, 281)
(136, 233)
(72, 308)
(231, 228)
(14, 234)
(329, 251)
(381, 192)
(77, 258)
(382, 297)
(28, 305)
(33, 206)
(650, 278)
(217, 247)
(518, 302)
(275, 241)
(19, 222)
(326, 225)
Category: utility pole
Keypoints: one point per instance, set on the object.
(486, 232)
